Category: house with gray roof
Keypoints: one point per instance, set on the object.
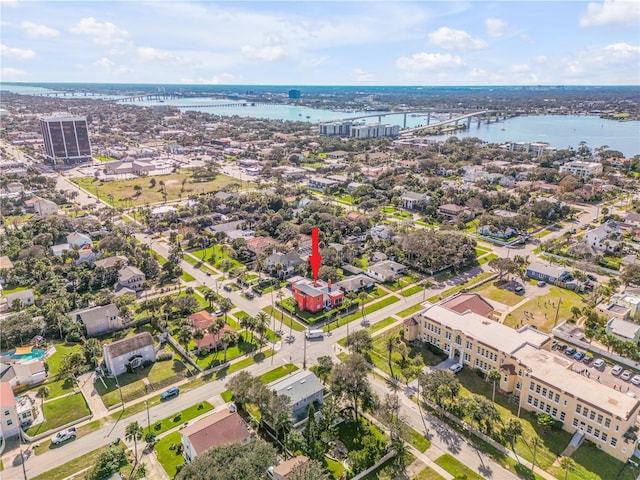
(129, 352)
(98, 320)
(623, 330)
(547, 273)
(412, 200)
(113, 261)
(385, 271)
(356, 283)
(78, 239)
(282, 264)
(303, 388)
(25, 296)
(131, 277)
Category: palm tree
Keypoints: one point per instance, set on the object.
(210, 296)
(259, 265)
(280, 296)
(246, 322)
(134, 432)
(228, 338)
(225, 305)
(262, 322)
(390, 343)
(43, 392)
(511, 431)
(494, 376)
(567, 463)
(198, 335)
(214, 330)
(362, 296)
(184, 337)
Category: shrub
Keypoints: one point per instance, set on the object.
(147, 363)
(158, 426)
(200, 406)
(173, 446)
(177, 418)
(163, 356)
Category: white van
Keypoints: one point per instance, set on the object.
(310, 334)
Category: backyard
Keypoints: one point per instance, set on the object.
(118, 191)
(541, 311)
(169, 457)
(61, 411)
(215, 255)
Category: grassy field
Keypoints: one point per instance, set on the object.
(179, 418)
(62, 349)
(288, 321)
(277, 373)
(61, 411)
(456, 468)
(458, 288)
(501, 295)
(407, 292)
(56, 388)
(116, 192)
(200, 265)
(216, 358)
(169, 459)
(214, 255)
(75, 465)
(542, 310)
(372, 307)
(416, 439)
(407, 312)
(429, 474)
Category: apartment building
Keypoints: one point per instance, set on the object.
(582, 170)
(66, 138)
(375, 130)
(539, 380)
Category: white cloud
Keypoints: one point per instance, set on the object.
(521, 68)
(8, 73)
(101, 33)
(9, 3)
(111, 67)
(496, 27)
(220, 79)
(609, 12)
(17, 53)
(429, 61)
(362, 75)
(150, 54)
(450, 39)
(33, 30)
(269, 53)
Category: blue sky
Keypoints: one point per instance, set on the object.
(322, 43)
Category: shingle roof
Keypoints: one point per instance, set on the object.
(297, 386)
(221, 428)
(127, 272)
(128, 345)
(6, 396)
(95, 313)
(469, 302)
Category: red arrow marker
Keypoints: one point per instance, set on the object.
(315, 258)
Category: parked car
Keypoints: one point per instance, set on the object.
(569, 351)
(587, 360)
(456, 367)
(250, 295)
(64, 436)
(562, 346)
(541, 283)
(599, 364)
(218, 313)
(519, 289)
(635, 380)
(626, 375)
(616, 370)
(172, 392)
(579, 355)
(593, 278)
(227, 288)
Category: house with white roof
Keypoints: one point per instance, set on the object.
(623, 330)
(131, 277)
(303, 388)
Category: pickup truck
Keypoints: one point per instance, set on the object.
(64, 435)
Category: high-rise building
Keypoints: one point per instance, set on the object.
(66, 138)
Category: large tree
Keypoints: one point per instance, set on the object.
(503, 265)
(231, 462)
(440, 387)
(359, 341)
(349, 381)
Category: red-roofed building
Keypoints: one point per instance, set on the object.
(210, 341)
(9, 423)
(221, 428)
(202, 320)
(314, 296)
(469, 302)
(260, 245)
(285, 469)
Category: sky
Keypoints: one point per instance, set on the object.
(322, 43)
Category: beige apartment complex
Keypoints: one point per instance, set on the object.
(542, 381)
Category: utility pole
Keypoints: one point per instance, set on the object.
(120, 390)
(24, 470)
(146, 403)
(304, 361)
(555, 322)
(535, 445)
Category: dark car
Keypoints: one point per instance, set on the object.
(579, 355)
(569, 351)
(562, 346)
(593, 278)
(172, 392)
(587, 360)
(227, 288)
(250, 295)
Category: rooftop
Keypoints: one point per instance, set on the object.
(128, 345)
(472, 302)
(297, 386)
(221, 428)
(6, 396)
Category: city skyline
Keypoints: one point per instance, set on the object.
(322, 43)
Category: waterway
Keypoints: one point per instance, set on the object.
(560, 131)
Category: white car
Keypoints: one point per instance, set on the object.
(64, 435)
(617, 370)
(626, 375)
(635, 379)
(456, 367)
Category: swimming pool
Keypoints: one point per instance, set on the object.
(34, 354)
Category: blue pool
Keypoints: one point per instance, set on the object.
(34, 354)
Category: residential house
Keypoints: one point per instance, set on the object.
(282, 264)
(5, 263)
(221, 428)
(129, 352)
(10, 422)
(413, 200)
(131, 277)
(382, 232)
(210, 341)
(26, 297)
(86, 255)
(284, 470)
(547, 273)
(491, 231)
(315, 296)
(58, 250)
(113, 261)
(385, 271)
(633, 219)
(582, 170)
(321, 183)
(539, 380)
(356, 283)
(98, 320)
(450, 210)
(606, 237)
(337, 155)
(623, 330)
(628, 300)
(261, 245)
(76, 239)
(303, 388)
(201, 320)
(22, 372)
(353, 185)
(43, 207)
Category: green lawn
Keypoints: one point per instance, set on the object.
(216, 358)
(116, 192)
(68, 469)
(429, 474)
(62, 349)
(169, 459)
(498, 294)
(214, 255)
(56, 388)
(288, 320)
(200, 265)
(407, 312)
(416, 439)
(591, 463)
(277, 373)
(456, 468)
(372, 307)
(187, 277)
(179, 418)
(61, 411)
(458, 288)
(543, 309)
(407, 292)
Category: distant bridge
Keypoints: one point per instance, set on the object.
(452, 119)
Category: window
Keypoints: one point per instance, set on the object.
(467, 357)
(585, 411)
(458, 340)
(531, 386)
(607, 422)
(518, 386)
(529, 399)
(575, 422)
(599, 419)
(7, 412)
(554, 412)
(578, 408)
(596, 433)
(617, 428)
(557, 398)
(544, 392)
(469, 346)
(592, 416)
(9, 422)
(447, 335)
(562, 416)
(537, 388)
(604, 437)
(614, 442)
(589, 429)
